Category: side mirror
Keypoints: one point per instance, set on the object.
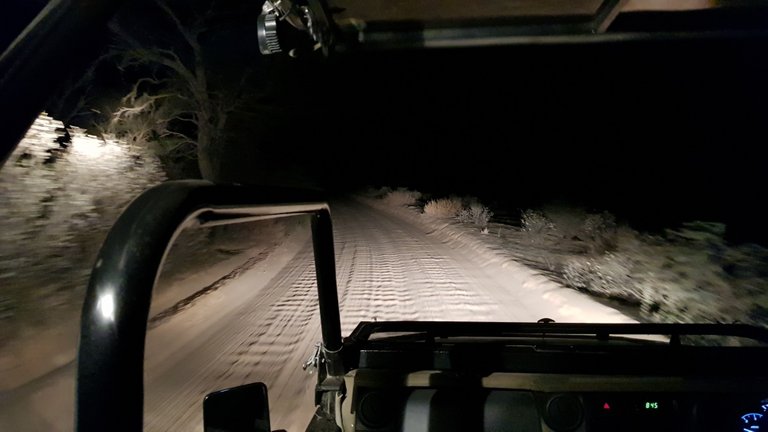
(237, 409)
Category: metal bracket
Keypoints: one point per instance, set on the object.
(314, 359)
(605, 15)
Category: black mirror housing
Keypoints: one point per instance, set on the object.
(237, 409)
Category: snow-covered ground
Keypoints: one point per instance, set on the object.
(261, 325)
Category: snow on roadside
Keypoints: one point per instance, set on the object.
(552, 300)
(689, 274)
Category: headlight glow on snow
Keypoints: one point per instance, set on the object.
(89, 147)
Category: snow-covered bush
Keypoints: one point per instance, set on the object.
(443, 208)
(534, 222)
(704, 234)
(594, 224)
(678, 282)
(401, 197)
(594, 233)
(606, 276)
(476, 213)
(58, 199)
(600, 231)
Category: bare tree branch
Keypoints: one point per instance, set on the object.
(189, 36)
(125, 37)
(168, 133)
(183, 119)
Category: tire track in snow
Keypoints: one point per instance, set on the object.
(188, 301)
(399, 274)
(255, 345)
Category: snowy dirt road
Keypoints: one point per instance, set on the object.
(263, 324)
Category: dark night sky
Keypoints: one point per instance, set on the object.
(660, 132)
(16, 15)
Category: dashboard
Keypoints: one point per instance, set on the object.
(434, 401)
(555, 385)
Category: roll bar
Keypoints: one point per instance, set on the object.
(110, 367)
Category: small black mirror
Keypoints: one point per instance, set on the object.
(237, 409)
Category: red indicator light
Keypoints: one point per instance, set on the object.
(606, 406)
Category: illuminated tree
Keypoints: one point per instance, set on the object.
(144, 117)
(178, 104)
